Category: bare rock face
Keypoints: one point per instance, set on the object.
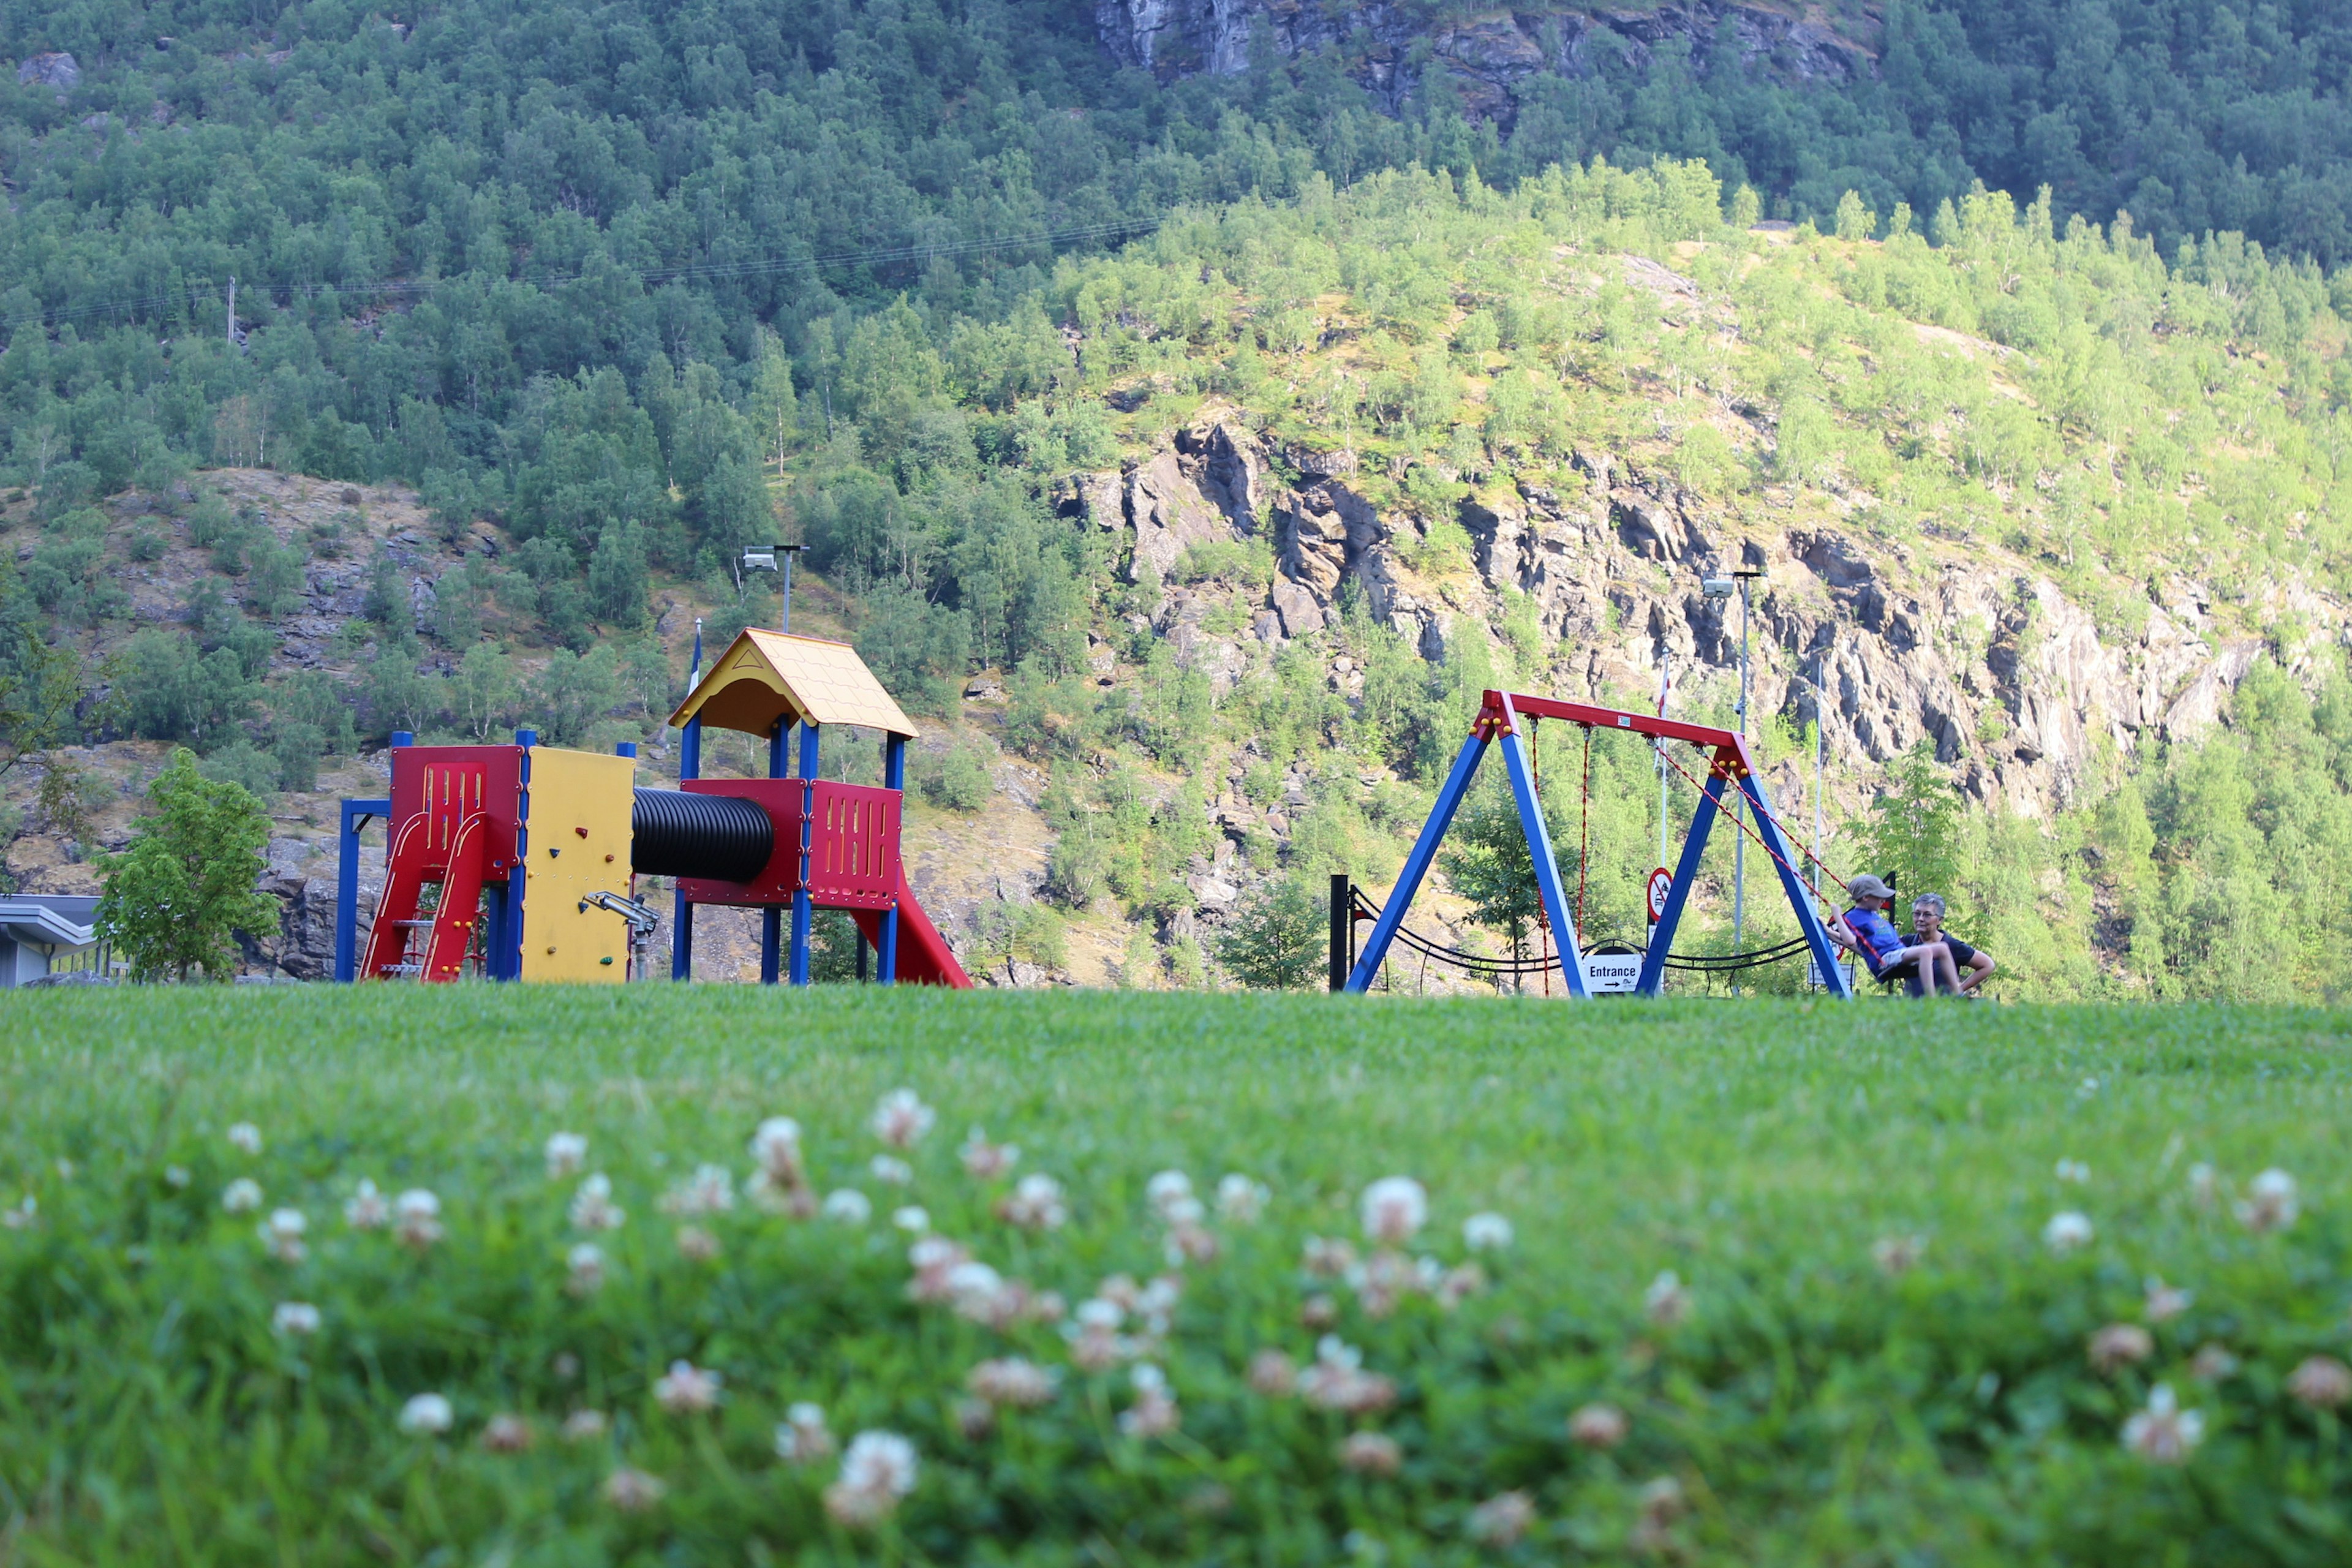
(1169, 515)
(55, 69)
(1387, 46)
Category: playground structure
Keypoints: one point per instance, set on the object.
(518, 862)
(1501, 718)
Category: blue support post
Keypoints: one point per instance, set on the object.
(681, 919)
(1417, 864)
(771, 918)
(356, 816)
(894, 777)
(504, 962)
(804, 910)
(1662, 935)
(1531, 822)
(1808, 919)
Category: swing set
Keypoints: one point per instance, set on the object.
(1509, 719)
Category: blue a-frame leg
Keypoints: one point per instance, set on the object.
(1417, 864)
(1555, 901)
(1784, 859)
(1662, 935)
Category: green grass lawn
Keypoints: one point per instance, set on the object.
(1816, 1402)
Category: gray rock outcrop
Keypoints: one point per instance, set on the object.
(1387, 46)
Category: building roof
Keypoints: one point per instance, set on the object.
(49, 919)
(765, 675)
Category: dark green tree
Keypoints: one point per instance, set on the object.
(176, 899)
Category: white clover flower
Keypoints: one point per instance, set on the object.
(633, 1491)
(24, 1217)
(984, 1160)
(2164, 1434)
(2165, 1302)
(425, 1415)
(416, 1218)
(1034, 1203)
(2067, 1231)
(2321, 1382)
(696, 1245)
(1166, 1188)
(1371, 1453)
(913, 1218)
(2073, 1171)
(1598, 1425)
(890, 1171)
(878, 1469)
(367, 1209)
(1665, 1300)
(849, 1206)
(566, 1153)
(176, 1176)
(803, 1436)
(776, 1148)
(687, 1389)
(592, 1208)
(584, 1427)
(901, 1119)
(1097, 1313)
(2270, 1204)
(710, 1190)
(1154, 1413)
(1242, 1200)
(245, 1138)
(506, 1433)
(2204, 1184)
(295, 1319)
(1394, 1209)
(587, 1269)
(241, 1197)
(1898, 1255)
(1011, 1381)
(1502, 1519)
(1486, 1233)
(281, 1233)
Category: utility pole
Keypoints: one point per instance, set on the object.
(1747, 576)
(787, 551)
(1658, 745)
(231, 312)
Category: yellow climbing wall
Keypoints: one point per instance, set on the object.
(579, 838)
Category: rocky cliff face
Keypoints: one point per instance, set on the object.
(1387, 48)
(1962, 644)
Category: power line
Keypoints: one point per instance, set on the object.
(646, 277)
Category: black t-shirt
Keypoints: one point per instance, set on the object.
(1963, 955)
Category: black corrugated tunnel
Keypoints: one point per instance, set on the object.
(676, 833)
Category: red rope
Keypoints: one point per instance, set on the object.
(1543, 915)
(1739, 823)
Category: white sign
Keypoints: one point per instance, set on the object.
(1605, 973)
(1662, 887)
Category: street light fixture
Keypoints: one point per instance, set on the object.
(776, 558)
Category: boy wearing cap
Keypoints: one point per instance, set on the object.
(1882, 947)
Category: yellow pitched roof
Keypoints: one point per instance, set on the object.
(766, 676)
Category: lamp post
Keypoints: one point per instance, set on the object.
(776, 558)
(1719, 589)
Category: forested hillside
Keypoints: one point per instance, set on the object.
(1200, 545)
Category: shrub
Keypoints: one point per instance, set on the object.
(956, 778)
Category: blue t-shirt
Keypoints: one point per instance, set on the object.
(1877, 934)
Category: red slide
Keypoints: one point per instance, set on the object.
(923, 955)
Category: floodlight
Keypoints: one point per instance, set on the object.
(1716, 587)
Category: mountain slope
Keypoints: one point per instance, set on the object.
(1221, 536)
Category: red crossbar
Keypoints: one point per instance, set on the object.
(1496, 717)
